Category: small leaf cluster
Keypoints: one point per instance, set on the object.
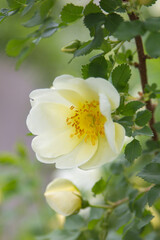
(40, 17)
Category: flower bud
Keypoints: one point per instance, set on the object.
(63, 196)
(71, 47)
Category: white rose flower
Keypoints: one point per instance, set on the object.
(63, 196)
(73, 123)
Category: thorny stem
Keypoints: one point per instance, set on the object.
(143, 75)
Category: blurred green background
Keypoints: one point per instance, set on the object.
(24, 213)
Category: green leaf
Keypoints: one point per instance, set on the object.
(90, 45)
(126, 120)
(4, 13)
(152, 24)
(92, 224)
(131, 108)
(120, 77)
(152, 44)
(156, 159)
(29, 5)
(151, 173)
(2, 18)
(143, 131)
(15, 4)
(143, 117)
(120, 58)
(84, 49)
(84, 71)
(128, 130)
(120, 216)
(153, 195)
(99, 186)
(91, 8)
(6, 158)
(74, 222)
(23, 54)
(98, 67)
(93, 20)
(61, 235)
(129, 30)
(106, 46)
(10, 186)
(48, 32)
(138, 223)
(139, 204)
(112, 22)
(144, 220)
(34, 21)
(95, 213)
(15, 46)
(153, 145)
(110, 5)
(157, 127)
(132, 235)
(71, 13)
(45, 7)
(133, 150)
(49, 29)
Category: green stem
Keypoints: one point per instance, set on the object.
(101, 206)
(112, 205)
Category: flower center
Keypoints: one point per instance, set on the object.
(87, 121)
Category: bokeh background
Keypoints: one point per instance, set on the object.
(24, 212)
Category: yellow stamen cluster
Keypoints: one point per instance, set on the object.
(87, 121)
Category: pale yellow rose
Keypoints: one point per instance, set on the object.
(73, 123)
(63, 196)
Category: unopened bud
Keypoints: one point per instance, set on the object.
(63, 196)
(71, 47)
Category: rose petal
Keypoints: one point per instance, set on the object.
(47, 117)
(101, 85)
(81, 154)
(76, 84)
(104, 153)
(47, 96)
(54, 145)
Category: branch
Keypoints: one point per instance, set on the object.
(143, 75)
(112, 204)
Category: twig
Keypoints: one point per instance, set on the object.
(143, 74)
(113, 205)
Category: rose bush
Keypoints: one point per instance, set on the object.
(63, 196)
(73, 123)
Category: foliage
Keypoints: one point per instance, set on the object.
(129, 189)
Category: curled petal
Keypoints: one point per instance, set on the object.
(104, 153)
(103, 86)
(78, 85)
